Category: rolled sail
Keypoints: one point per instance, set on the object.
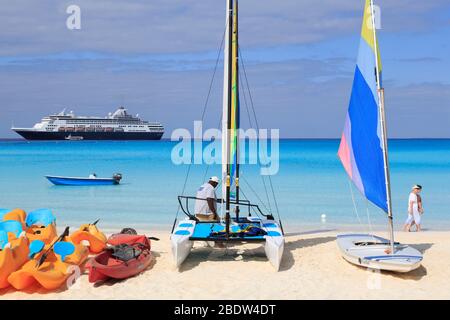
(361, 148)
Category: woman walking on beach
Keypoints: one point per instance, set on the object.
(415, 209)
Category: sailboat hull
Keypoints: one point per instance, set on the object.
(180, 241)
(188, 231)
(373, 252)
(274, 249)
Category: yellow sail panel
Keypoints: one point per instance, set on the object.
(368, 32)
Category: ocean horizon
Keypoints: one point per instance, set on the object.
(311, 187)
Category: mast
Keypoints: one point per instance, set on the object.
(229, 73)
(382, 112)
(225, 120)
(236, 62)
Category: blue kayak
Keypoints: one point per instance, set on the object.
(78, 181)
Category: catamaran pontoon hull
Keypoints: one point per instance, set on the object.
(180, 241)
(188, 231)
(373, 252)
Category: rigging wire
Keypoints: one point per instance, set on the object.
(245, 103)
(275, 199)
(368, 216)
(246, 198)
(251, 125)
(369, 229)
(254, 192)
(354, 205)
(208, 165)
(257, 127)
(204, 112)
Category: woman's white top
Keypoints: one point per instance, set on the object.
(413, 198)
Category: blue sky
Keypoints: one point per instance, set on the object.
(157, 58)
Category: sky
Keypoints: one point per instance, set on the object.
(157, 58)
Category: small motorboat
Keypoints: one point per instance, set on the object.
(127, 256)
(92, 180)
(74, 138)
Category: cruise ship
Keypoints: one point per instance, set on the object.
(116, 126)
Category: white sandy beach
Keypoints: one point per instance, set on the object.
(312, 268)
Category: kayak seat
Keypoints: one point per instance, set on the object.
(12, 226)
(64, 249)
(125, 252)
(3, 212)
(128, 231)
(40, 216)
(35, 247)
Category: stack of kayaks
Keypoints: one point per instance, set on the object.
(31, 253)
(126, 256)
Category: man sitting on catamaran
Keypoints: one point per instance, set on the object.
(206, 201)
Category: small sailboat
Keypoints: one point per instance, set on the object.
(255, 226)
(363, 152)
(81, 181)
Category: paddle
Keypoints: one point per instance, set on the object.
(64, 249)
(45, 254)
(153, 238)
(91, 224)
(35, 247)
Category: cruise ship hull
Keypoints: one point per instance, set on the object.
(43, 135)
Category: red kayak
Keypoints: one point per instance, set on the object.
(127, 256)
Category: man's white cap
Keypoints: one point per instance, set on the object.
(214, 179)
(417, 186)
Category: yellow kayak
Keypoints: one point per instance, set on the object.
(91, 234)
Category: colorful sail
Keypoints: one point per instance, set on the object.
(361, 147)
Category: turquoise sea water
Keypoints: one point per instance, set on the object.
(310, 183)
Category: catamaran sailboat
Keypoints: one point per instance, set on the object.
(254, 226)
(363, 152)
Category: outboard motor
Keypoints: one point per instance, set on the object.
(117, 177)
